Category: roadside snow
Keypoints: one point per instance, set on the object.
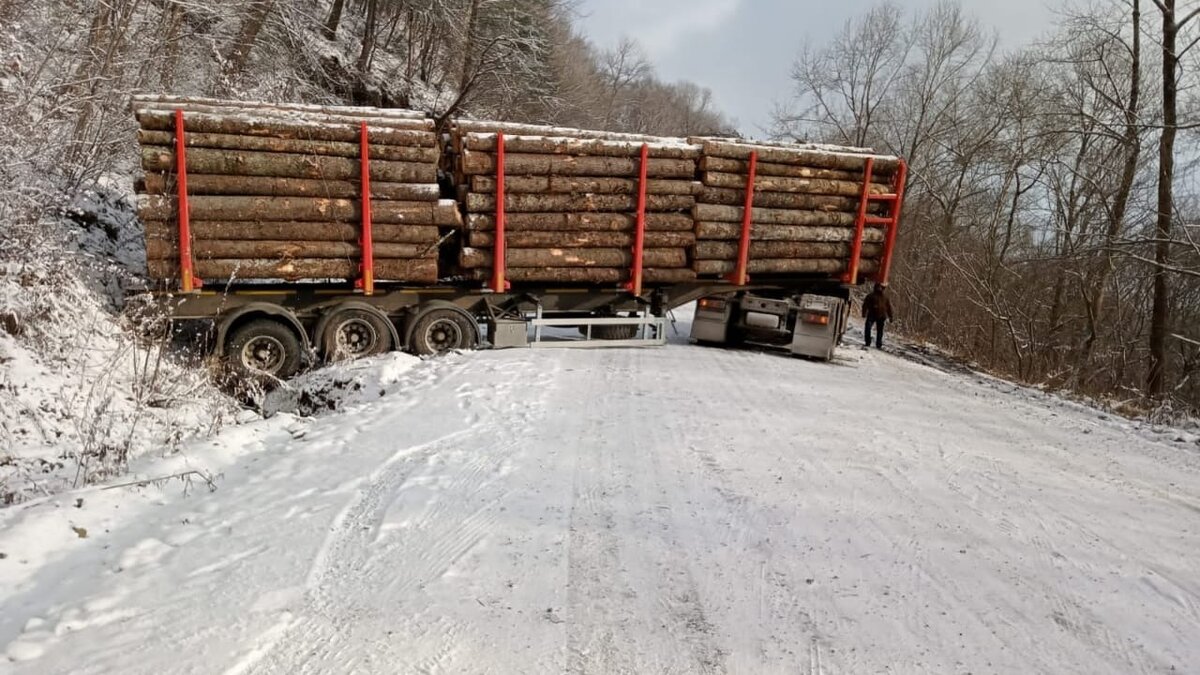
(676, 510)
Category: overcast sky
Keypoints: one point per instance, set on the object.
(742, 49)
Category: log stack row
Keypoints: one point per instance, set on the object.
(805, 203)
(274, 191)
(571, 203)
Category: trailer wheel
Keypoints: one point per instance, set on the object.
(617, 332)
(264, 347)
(442, 330)
(355, 333)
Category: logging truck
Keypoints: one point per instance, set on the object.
(304, 234)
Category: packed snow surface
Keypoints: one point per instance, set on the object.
(672, 510)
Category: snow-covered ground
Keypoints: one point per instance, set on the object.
(672, 510)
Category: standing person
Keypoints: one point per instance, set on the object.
(876, 308)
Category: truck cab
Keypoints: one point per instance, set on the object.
(807, 324)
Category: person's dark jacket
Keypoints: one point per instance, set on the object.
(877, 305)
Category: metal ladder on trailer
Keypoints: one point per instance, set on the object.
(894, 201)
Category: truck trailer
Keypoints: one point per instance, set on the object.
(305, 234)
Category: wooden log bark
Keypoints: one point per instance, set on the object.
(810, 186)
(420, 270)
(589, 275)
(204, 249)
(576, 184)
(561, 145)
(164, 120)
(783, 266)
(463, 127)
(293, 231)
(474, 162)
(733, 214)
(284, 165)
(778, 200)
(740, 166)
(268, 115)
(728, 250)
(585, 257)
(540, 203)
(601, 222)
(160, 207)
(394, 153)
(582, 239)
(823, 159)
(761, 232)
(168, 102)
(159, 183)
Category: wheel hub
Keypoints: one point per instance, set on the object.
(264, 353)
(356, 337)
(444, 335)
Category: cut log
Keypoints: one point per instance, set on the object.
(822, 159)
(601, 222)
(589, 275)
(584, 239)
(742, 167)
(728, 250)
(265, 186)
(733, 214)
(783, 266)
(779, 200)
(294, 231)
(188, 102)
(574, 184)
(393, 153)
(422, 270)
(809, 186)
(158, 207)
(585, 257)
(164, 120)
(204, 249)
(284, 165)
(463, 127)
(760, 232)
(538, 203)
(474, 162)
(267, 115)
(561, 145)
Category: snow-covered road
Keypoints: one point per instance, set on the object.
(673, 510)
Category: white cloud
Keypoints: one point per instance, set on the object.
(660, 27)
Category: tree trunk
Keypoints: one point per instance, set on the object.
(239, 52)
(536, 203)
(723, 250)
(1159, 319)
(779, 200)
(819, 159)
(166, 139)
(566, 165)
(411, 133)
(587, 257)
(761, 232)
(607, 222)
(267, 186)
(154, 207)
(571, 184)
(733, 214)
(589, 275)
(738, 166)
(293, 231)
(368, 39)
(420, 271)
(207, 249)
(585, 239)
(284, 165)
(565, 145)
(329, 30)
(783, 266)
(811, 186)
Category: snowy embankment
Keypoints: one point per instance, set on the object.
(664, 510)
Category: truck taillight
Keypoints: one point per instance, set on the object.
(814, 317)
(712, 304)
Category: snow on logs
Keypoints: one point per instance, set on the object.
(571, 199)
(805, 203)
(275, 190)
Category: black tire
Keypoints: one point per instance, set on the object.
(615, 332)
(443, 330)
(264, 348)
(355, 333)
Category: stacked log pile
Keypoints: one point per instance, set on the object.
(805, 204)
(274, 190)
(571, 203)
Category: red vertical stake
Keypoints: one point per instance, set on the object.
(639, 232)
(860, 223)
(500, 250)
(741, 274)
(885, 265)
(187, 279)
(367, 240)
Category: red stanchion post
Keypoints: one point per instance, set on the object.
(639, 233)
(860, 223)
(500, 250)
(885, 265)
(367, 239)
(741, 274)
(187, 278)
